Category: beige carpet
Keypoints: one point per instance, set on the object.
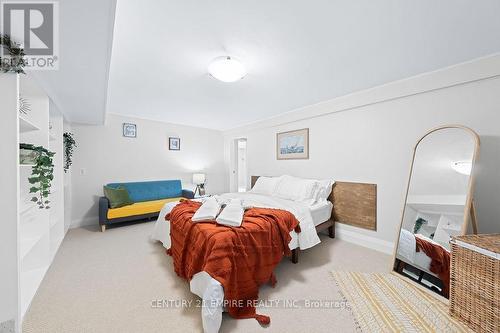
(106, 282)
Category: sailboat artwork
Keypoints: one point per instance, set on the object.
(292, 145)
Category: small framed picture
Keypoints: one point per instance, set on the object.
(292, 145)
(129, 130)
(174, 143)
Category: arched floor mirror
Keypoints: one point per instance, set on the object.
(439, 205)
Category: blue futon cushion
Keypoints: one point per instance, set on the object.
(151, 190)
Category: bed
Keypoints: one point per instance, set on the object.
(407, 252)
(424, 254)
(313, 219)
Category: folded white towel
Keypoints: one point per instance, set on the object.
(232, 214)
(208, 210)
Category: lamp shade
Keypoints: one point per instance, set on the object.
(227, 69)
(198, 178)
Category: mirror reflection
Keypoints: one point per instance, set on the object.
(435, 208)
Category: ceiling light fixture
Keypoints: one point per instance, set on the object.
(463, 167)
(227, 69)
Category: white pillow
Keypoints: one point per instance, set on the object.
(323, 190)
(297, 189)
(266, 185)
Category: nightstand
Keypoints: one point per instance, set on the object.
(202, 196)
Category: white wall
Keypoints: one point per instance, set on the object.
(103, 155)
(9, 194)
(369, 137)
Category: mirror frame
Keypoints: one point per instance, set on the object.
(470, 187)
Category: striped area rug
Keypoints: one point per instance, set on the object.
(387, 303)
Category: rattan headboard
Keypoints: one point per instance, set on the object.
(353, 203)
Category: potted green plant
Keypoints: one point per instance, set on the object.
(418, 224)
(42, 174)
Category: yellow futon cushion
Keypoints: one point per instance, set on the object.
(139, 208)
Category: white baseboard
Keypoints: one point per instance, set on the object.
(84, 222)
(364, 240)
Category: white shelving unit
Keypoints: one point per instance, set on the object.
(30, 236)
(40, 231)
(56, 212)
(30, 281)
(26, 126)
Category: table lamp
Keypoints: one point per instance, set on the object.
(199, 181)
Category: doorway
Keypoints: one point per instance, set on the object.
(241, 164)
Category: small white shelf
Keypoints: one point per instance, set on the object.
(450, 230)
(30, 280)
(28, 244)
(26, 165)
(437, 208)
(26, 125)
(27, 208)
(29, 237)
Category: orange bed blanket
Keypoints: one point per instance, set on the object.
(440, 261)
(241, 259)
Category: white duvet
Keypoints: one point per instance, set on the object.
(209, 289)
(407, 251)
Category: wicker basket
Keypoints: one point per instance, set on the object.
(475, 281)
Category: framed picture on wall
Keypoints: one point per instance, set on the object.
(293, 145)
(174, 143)
(129, 130)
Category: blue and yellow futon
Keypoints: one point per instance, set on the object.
(148, 198)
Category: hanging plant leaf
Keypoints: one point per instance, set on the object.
(69, 144)
(24, 105)
(14, 61)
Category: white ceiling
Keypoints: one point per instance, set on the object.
(79, 87)
(296, 52)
